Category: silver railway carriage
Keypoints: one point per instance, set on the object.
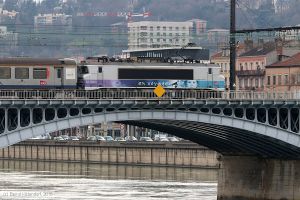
(149, 75)
(37, 73)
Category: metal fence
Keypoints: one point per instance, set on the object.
(145, 94)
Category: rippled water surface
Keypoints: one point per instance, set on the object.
(66, 181)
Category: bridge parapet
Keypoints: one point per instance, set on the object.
(139, 94)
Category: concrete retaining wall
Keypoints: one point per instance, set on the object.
(153, 154)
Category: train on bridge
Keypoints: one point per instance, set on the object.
(46, 74)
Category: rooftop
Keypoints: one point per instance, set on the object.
(290, 62)
(260, 50)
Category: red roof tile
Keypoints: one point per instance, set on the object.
(293, 61)
(217, 55)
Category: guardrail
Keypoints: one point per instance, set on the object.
(145, 94)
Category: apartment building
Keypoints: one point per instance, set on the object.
(52, 19)
(284, 76)
(250, 66)
(157, 34)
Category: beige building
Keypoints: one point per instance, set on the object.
(223, 60)
(157, 34)
(284, 76)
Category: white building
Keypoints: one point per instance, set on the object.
(52, 19)
(156, 34)
(7, 37)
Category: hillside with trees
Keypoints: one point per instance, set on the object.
(92, 35)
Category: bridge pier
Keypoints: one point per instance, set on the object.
(251, 178)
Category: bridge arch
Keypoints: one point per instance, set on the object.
(223, 133)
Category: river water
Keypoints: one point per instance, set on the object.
(74, 181)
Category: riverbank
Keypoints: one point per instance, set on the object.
(177, 154)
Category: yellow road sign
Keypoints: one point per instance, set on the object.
(159, 91)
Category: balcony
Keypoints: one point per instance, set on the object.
(260, 72)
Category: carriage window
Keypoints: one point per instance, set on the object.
(99, 69)
(58, 73)
(22, 73)
(5, 73)
(39, 73)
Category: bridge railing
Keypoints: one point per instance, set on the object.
(145, 94)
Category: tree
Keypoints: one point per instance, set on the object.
(10, 5)
(27, 12)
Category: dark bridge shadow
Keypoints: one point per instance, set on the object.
(225, 140)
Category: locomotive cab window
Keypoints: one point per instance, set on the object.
(84, 70)
(5, 73)
(40, 73)
(22, 73)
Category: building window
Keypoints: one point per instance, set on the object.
(279, 79)
(143, 34)
(151, 28)
(143, 28)
(246, 82)
(164, 34)
(177, 28)
(274, 80)
(241, 67)
(241, 83)
(22, 73)
(269, 80)
(5, 73)
(158, 34)
(39, 73)
(99, 69)
(170, 34)
(170, 28)
(151, 34)
(164, 28)
(286, 79)
(158, 28)
(246, 66)
(256, 83)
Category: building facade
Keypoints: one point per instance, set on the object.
(157, 34)
(52, 19)
(250, 66)
(284, 76)
(223, 60)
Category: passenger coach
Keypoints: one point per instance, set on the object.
(32, 73)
